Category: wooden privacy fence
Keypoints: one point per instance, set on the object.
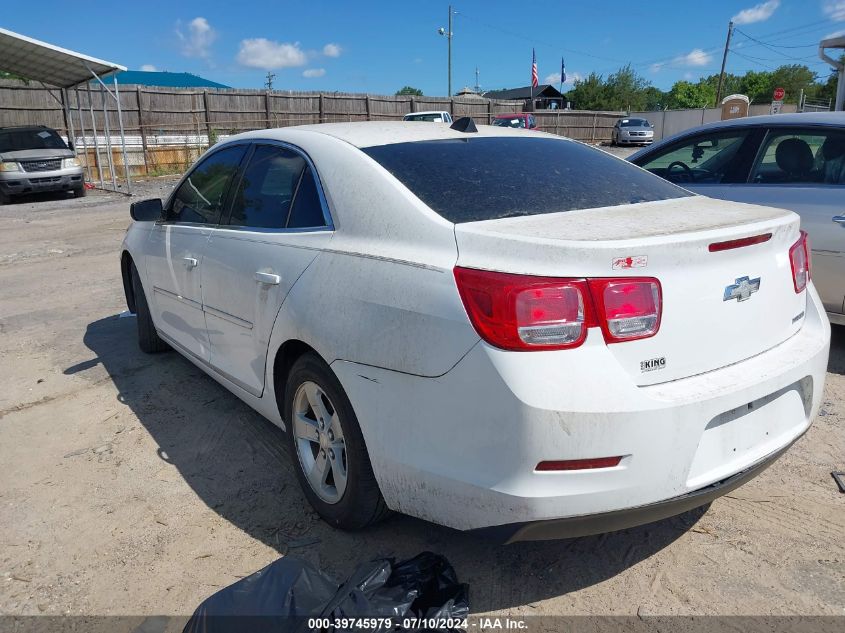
(168, 128)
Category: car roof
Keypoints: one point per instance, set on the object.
(510, 116)
(374, 133)
(781, 120)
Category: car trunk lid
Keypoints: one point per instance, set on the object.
(670, 240)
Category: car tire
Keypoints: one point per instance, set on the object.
(80, 192)
(148, 339)
(349, 500)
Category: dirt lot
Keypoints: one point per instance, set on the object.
(134, 484)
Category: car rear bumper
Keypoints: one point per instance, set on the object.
(22, 182)
(461, 449)
(572, 527)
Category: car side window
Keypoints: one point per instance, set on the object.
(278, 190)
(715, 157)
(264, 195)
(801, 156)
(307, 211)
(200, 197)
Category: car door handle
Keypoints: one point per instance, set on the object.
(190, 262)
(267, 278)
(839, 219)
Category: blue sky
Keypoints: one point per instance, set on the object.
(378, 47)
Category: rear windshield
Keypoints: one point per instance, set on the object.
(487, 178)
(509, 122)
(13, 140)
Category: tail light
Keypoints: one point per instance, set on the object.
(521, 312)
(628, 309)
(525, 312)
(799, 257)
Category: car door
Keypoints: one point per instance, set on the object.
(277, 224)
(803, 170)
(174, 255)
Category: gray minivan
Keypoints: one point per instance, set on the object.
(35, 159)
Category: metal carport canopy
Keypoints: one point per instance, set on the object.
(50, 64)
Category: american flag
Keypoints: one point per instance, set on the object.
(535, 81)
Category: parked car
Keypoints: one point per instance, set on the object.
(432, 116)
(517, 120)
(35, 159)
(632, 132)
(596, 350)
(792, 161)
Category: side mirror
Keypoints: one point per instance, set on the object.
(147, 210)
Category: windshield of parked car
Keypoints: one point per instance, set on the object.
(432, 117)
(635, 123)
(509, 122)
(14, 140)
(487, 178)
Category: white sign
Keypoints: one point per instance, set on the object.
(776, 107)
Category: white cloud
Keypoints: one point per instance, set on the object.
(149, 68)
(695, 58)
(835, 10)
(834, 34)
(554, 78)
(267, 54)
(332, 50)
(199, 38)
(758, 13)
(311, 73)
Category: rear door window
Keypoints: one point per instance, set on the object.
(714, 157)
(486, 178)
(812, 155)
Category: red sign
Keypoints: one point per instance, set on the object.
(779, 93)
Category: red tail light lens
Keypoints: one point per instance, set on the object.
(628, 309)
(799, 257)
(521, 312)
(525, 312)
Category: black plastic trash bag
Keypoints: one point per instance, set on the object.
(289, 595)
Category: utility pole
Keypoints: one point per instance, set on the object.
(269, 83)
(724, 61)
(447, 33)
(477, 85)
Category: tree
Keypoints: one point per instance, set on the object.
(793, 79)
(655, 98)
(625, 90)
(5, 75)
(410, 90)
(589, 93)
(757, 86)
(685, 94)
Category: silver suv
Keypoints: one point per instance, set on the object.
(35, 159)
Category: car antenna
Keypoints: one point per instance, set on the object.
(464, 124)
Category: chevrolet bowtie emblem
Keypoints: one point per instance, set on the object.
(742, 289)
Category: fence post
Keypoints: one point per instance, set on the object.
(207, 117)
(142, 130)
(595, 120)
(368, 108)
(452, 107)
(267, 110)
(320, 120)
(413, 104)
(489, 111)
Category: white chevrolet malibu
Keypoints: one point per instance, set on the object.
(492, 329)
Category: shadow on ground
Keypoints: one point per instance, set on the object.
(836, 363)
(236, 463)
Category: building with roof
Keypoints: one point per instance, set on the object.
(163, 79)
(546, 97)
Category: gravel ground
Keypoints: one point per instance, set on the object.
(134, 484)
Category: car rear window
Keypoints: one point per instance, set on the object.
(484, 178)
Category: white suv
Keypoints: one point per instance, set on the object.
(432, 116)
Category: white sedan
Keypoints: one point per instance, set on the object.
(495, 330)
